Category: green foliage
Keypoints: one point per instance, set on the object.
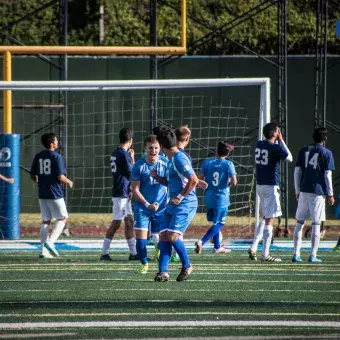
(127, 24)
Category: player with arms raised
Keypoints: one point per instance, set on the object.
(268, 154)
(151, 197)
(219, 173)
(48, 171)
(122, 160)
(313, 183)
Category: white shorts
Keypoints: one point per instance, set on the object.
(53, 209)
(270, 206)
(121, 208)
(311, 206)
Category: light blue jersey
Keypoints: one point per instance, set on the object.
(152, 190)
(217, 173)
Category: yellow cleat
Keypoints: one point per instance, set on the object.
(157, 253)
(143, 269)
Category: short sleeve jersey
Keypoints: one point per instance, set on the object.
(121, 167)
(48, 165)
(267, 158)
(314, 160)
(152, 190)
(217, 173)
(178, 172)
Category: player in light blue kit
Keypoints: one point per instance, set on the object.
(181, 181)
(151, 198)
(268, 155)
(219, 173)
(313, 183)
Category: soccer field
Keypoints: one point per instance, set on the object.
(78, 297)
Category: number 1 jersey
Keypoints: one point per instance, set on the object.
(217, 173)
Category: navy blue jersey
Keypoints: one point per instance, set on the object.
(314, 160)
(121, 167)
(48, 165)
(217, 173)
(152, 190)
(267, 158)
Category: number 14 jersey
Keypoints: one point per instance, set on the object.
(217, 173)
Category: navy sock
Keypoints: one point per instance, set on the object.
(141, 250)
(182, 253)
(214, 230)
(217, 243)
(164, 256)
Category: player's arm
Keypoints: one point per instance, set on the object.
(159, 179)
(201, 178)
(233, 181)
(190, 186)
(232, 174)
(298, 172)
(135, 188)
(61, 171)
(34, 176)
(287, 155)
(7, 179)
(329, 167)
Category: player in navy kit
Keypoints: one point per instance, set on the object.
(220, 174)
(181, 180)
(49, 172)
(122, 160)
(151, 198)
(313, 183)
(268, 154)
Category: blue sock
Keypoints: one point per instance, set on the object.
(214, 230)
(141, 250)
(164, 255)
(182, 253)
(217, 243)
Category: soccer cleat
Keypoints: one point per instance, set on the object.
(252, 255)
(184, 274)
(221, 250)
(45, 255)
(336, 249)
(162, 277)
(134, 257)
(143, 268)
(175, 258)
(66, 232)
(314, 259)
(270, 259)
(51, 249)
(297, 258)
(199, 247)
(157, 253)
(105, 257)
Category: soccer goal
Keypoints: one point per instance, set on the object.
(214, 109)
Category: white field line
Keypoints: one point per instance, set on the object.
(35, 335)
(160, 313)
(173, 324)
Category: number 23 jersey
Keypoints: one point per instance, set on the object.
(217, 173)
(267, 158)
(314, 160)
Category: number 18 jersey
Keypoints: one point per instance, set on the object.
(217, 173)
(314, 160)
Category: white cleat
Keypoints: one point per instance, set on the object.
(51, 249)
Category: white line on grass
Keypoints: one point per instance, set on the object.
(174, 324)
(35, 335)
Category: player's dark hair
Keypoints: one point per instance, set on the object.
(167, 138)
(320, 135)
(157, 130)
(125, 135)
(182, 133)
(47, 139)
(224, 148)
(150, 139)
(269, 130)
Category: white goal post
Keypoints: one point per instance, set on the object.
(263, 84)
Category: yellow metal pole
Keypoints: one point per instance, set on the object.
(184, 24)
(7, 120)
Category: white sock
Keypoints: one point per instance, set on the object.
(258, 234)
(106, 246)
(267, 239)
(315, 239)
(132, 245)
(155, 239)
(44, 229)
(298, 238)
(56, 232)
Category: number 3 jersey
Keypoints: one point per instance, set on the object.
(267, 158)
(217, 173)
(48, 165)
(314, 160)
